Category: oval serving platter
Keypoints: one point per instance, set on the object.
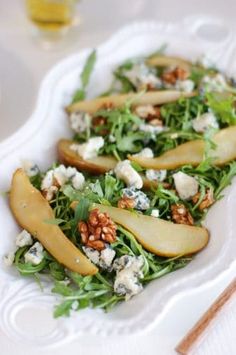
(22, 301)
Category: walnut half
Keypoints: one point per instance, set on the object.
(181, 215)
(98, 230)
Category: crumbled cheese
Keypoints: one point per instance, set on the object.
(35, 254)
(128, 272)
(23, 239)
(106, 257)
(155, 213)
(29, 168)
(80, 121)
(126, 172)
(89, 149)
(154, 130)
(145, 153)
(47, 181)
(141, 76)
(60, 176)
(184, 85)
(186, 186)
(142, 202)
(145, 110)
(9, 258)
(204, 122)
(156, 175)
(78, 181)
(103, 258)
(214, 83)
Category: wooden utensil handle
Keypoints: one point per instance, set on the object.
(194, 335)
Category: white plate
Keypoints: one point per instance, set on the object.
(26, 312)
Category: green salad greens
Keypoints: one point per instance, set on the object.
(180, 195)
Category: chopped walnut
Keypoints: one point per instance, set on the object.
(171, 76)
(181, 215)
(100, 121)
(207, 201)
(148, 112)
(126, 202)
(98, 230)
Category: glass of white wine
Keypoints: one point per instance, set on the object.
(51, 18)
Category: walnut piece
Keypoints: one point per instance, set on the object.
(126, 202)
(181, 215)
(172, 76)
(207, 201)
(98, 230)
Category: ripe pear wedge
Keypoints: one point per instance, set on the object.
(157, 235)
(192, 152)
(148, 98)
(168, 61)
(31, 210)
(96, 166)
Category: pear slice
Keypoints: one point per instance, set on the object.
(148, 98)
(168, 61)
(96, 166)
(31, 210)
(157, 235)
(192, 152)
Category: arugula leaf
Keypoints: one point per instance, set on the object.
(82, 210)
(57, 271)
(80, 94)
(159, 51)
(62, 309)
(223, 107)
(110, 183)
(62, 289)
(88, 68)
(27, 268)
(226, 179)
(71, 193)
(136, 166)
(128, 143)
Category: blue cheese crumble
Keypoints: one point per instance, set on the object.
(30, 168)
(23, 239)
(103, 258)
(141, 200)
(60, 176)
(128, 174)
(145, 153)
(214, 83)
(128, 273)
(89, 149)
(34, 255)
(9, 258)
(80, 121)
(205, 122)
(186, 186)
(142, 76)
(156, 175)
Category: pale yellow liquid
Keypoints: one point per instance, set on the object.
(51, 15)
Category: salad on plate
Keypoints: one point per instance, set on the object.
(125, 200)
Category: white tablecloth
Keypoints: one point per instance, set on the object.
(23, 64)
